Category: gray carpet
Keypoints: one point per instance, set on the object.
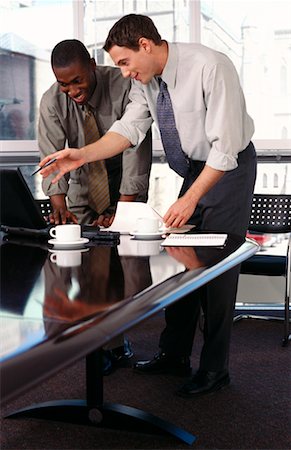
(252, 413)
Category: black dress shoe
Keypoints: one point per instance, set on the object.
(204, 382)
(116, 357)
(122, 354)
(163, 363)
(107, 366)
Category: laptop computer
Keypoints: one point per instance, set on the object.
(20, 213)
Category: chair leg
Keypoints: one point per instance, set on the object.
(286, 337)
(286, 332)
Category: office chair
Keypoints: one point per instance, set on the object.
(270, 214)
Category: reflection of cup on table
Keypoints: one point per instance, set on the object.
(148, 248)
(66, 233)
(67, 258)
(148, 225)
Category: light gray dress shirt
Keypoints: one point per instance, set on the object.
(208, 104)
(61, 123)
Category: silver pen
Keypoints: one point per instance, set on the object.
(45, 165)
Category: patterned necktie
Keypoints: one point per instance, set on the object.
(98, 188)
(169, 134)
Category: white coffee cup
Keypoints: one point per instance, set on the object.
(148, 225)
(66, 233)
(65, 258)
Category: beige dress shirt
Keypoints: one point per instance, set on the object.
(208, 103)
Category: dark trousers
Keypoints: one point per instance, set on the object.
(225, 208)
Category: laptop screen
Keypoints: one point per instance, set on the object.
(17, 205)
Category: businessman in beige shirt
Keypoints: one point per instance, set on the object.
(194, 95)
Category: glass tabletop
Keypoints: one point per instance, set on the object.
(67, 303)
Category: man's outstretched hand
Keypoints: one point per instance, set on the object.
(66, 160)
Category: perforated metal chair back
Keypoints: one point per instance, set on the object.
(271, 213)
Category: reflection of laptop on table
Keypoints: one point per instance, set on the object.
(27, 262)
(20, 213)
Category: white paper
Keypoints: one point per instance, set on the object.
(192, 240)
(127, 214)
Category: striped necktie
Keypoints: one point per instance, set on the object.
(176, 158)
(98, 188)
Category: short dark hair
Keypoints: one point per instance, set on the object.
(68, 51)
(128, 30)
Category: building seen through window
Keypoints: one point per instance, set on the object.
(257, 41)
(26, 41)
(257, 37)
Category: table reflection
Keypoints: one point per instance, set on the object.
(21, 281)
(86, 300)
(21, 267)
(102, 280)
(45, 291)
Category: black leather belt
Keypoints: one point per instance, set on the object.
(195, 165)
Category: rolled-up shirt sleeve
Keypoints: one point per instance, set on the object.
(51, 138)
(225, 119)
(135, 125)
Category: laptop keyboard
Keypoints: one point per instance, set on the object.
(45, 207)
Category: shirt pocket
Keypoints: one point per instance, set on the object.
(75, 176)
(77, 194)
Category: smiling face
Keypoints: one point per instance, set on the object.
(77, 80)
(141, 65)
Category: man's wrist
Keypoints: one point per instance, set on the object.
(192, 195)
(84, 153)
(127, 198)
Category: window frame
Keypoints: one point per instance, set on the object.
(18, 149)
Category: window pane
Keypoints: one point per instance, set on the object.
(256, 36)
(29, 31)
(170, 17)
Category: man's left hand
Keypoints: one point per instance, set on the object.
(104, 220)
(179, 213)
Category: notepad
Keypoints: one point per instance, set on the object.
(192, 240)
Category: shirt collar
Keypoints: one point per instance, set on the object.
(169, 73)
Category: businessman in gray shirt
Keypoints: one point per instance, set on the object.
(193, 94)
(81, 84)
(62, 112)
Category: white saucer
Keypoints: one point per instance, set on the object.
(79, 250)
(148, 236)
(68, 244)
